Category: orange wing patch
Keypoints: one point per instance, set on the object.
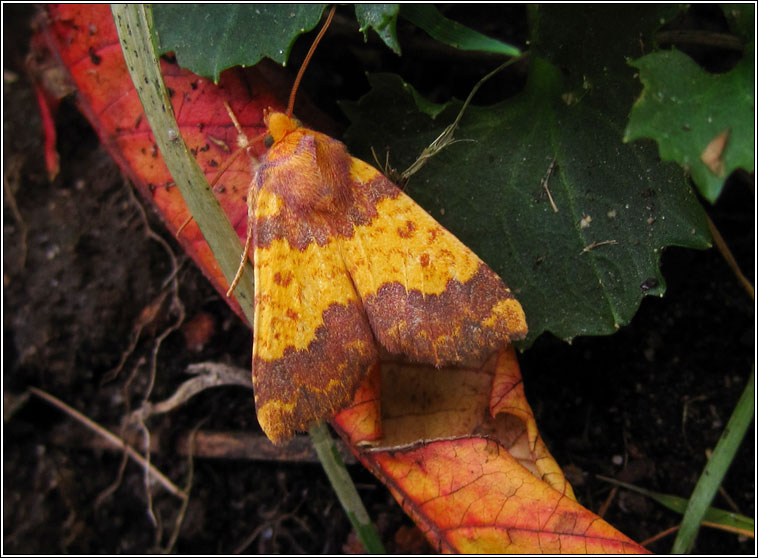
(343, 259)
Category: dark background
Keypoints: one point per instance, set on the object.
(643, 405)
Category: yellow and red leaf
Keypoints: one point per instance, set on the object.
(477, 477)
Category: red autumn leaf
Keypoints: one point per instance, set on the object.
(461, 454)
(84, 40)
(463, 457)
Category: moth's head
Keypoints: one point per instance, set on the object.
(279, 125)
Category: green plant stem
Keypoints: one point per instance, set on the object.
(345, 489)
(715, 469)
(134, 23)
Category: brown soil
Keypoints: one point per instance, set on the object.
(643, 405)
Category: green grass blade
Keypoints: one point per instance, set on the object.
(725, 519)
(715, 469)
(452, 33)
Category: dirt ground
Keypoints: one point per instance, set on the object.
(80, 267)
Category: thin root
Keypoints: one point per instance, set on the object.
(112, 438)
(187, 490)
(207, 375)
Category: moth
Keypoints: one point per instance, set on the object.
(345, 263)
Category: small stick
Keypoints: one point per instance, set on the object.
(112, 438)
(14, 171)
(446, 137)
(664, 533)
(607, 504)
(187, 221)
(724, 249)
(545, 180)
(596, 244)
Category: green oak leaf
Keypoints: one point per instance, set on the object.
(209, 38)
(684, 108)
(382, 18)
(428, 18)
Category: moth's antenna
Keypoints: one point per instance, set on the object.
(304, 65)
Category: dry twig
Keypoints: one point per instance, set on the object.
(727, 253)
(10, 181)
